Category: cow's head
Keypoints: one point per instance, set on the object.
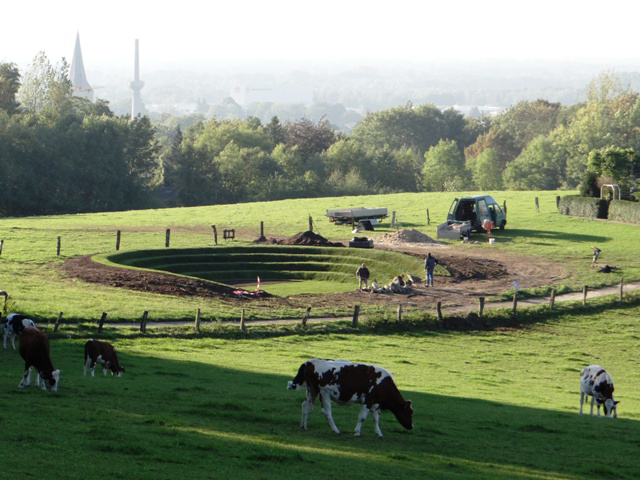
(117, 372)
(51, 384)
(609, 407)
(293, 386)
(405, 415)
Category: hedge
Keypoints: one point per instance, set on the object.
(624, 211)
(590, 207)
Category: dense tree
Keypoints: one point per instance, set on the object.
(309, 138)
(444, 168)
(539, 167)
(487, 170)
(45, 87)
(9, 86)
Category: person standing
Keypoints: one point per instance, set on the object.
(429, 265)
(363, 276)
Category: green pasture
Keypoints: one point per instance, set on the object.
(30, 267)
(499, 405)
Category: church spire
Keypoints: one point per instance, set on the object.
(79, 84)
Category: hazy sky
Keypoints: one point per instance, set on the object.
(249, 30)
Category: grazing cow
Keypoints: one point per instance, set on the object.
(345, 382)
(104, 354)
(34, 349)
(597, 383)
(14, 326)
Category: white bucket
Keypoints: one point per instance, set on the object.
(492, 241)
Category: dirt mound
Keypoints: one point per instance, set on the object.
(406, 236)
(471, 322)
(309, 238)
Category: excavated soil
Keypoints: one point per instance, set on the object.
(477, 270)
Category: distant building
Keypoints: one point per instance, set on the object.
(136, 85)
(79, 85)
(283, 94)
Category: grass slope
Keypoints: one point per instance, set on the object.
(498, 405)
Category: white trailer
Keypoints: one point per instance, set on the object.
(352, 215)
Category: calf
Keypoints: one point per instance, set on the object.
(104, 354)
(34, 349)
(344, 383)
(598, 384)
(14, 326)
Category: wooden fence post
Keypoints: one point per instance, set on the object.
(310, 223)
(242, 327)
(261, 229)
(101, 322)
(537, 205)
(393, 219)
(197, 325)
(143, 321)
(215, 234)
(515, 303)
(439, 311)
(504, 206)
(399, 313)
(481, 307)
(552, 299)
(167, 237)
(55, 327)
(584, 294)
(428, 218)
(117, 240)
(306, 317)
(621, 282)
(354, 320)
(58, 247)
(4, 294)
(557, 201)
(1, 245)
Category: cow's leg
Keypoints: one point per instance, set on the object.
(326, 409)
(105, 368)
(26, 378)
(375, 416)
(582, 395)
(13, 341)
(362, 416)
(87, 365)
(306, 408)
(593, 399)
(6, 334)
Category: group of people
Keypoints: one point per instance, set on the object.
(398, 284)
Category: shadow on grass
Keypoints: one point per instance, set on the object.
(198, 420)
(550, 235)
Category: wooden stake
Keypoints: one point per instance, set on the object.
(242, 327)
(515, 303)
(1, 245)
(58, 247)
(354, 320)
(399, 313)
(117, 240)
(552, 299)
(428, 218)
(306, 317)
(481, 307)
(393, 219)
(143, 321)
(197, 325)
(621, 282)
(167, 237)
(310, 224)
(102, 319)
(215, 234)
(55, 327)
(584, 294)
(537, 205)
(261, 229)
(439, 311)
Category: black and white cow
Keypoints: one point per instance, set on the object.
(104, 354)
(34, 350)
(14, 326)
(345, 382)
(598, 384)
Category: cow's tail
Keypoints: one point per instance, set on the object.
(300, 380)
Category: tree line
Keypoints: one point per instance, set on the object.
(63, 154)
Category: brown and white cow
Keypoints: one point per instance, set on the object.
(345, 382)
(104, 354)
(598, 384)
(34, 349)
(14, 326)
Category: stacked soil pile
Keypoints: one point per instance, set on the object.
(309, 238)
(406, 236)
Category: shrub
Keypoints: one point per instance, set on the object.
(583, 206)
(624, 211)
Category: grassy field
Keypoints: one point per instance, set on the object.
(31, 275)
(499, 404)
(487, 405)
